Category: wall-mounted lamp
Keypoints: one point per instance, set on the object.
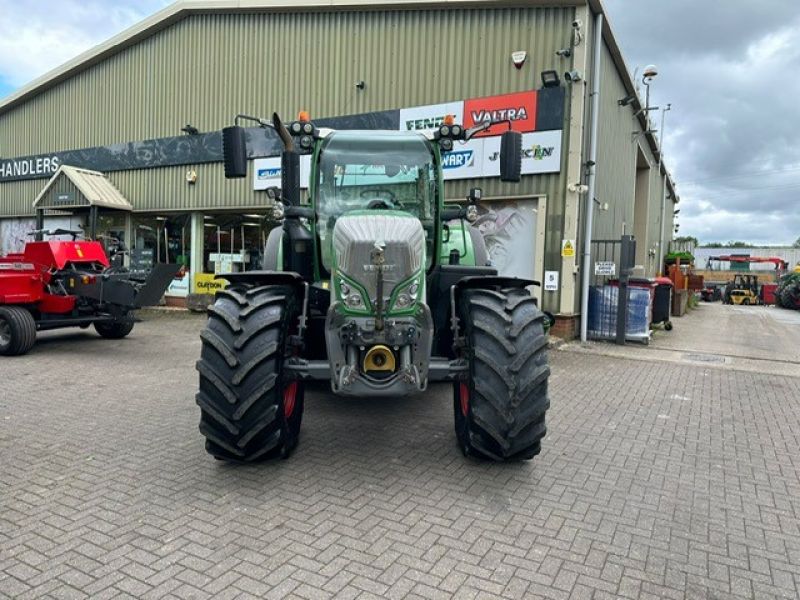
(564, 52)
(573, 76)
(550, 79)
(627, 100)
(190, 130)
(361, 84)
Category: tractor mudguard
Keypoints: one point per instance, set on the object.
(257, 278)
(485, 282)
(493, 281)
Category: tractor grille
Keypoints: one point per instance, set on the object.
(354, 240)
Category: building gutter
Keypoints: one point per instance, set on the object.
(592, 179)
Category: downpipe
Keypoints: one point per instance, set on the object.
(592, 179)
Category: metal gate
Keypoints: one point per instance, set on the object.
(613, 263)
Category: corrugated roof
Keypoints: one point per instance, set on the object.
(93, 185)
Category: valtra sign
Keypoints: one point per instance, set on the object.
(518, 108)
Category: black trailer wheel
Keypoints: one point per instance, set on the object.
(114, 330)
(249, 409)
(500, 408)
(17, 330)
(668, 325)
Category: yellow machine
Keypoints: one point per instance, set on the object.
(743, 297)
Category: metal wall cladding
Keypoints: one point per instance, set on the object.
(207, 68)
(619, 135)
(616, 156)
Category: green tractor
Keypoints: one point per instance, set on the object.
(377, 287)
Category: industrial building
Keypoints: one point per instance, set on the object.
(145, 108)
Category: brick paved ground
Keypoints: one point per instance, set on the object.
(657, 480)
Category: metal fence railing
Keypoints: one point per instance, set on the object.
(609, 294)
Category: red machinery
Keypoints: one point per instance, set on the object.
(780, 264)
(55, 284)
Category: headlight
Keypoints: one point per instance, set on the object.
(403, 300)
(354, 301)
(351, 294)
(407, 294)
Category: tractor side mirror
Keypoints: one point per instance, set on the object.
(234, 152)
(511, 156)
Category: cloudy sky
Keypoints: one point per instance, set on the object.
(728, 67)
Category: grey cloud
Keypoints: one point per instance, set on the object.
(729, 69)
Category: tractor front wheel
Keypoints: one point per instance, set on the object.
(17, 330)
(500, 407)
(250, 409)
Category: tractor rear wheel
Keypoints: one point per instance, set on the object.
(500, 407)
(114, 330)
(250, 409)
(17, 330)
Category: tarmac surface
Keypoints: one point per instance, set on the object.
(660, 477)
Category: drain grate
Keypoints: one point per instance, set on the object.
(705, 358)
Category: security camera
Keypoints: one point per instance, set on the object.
(578, 188)
(573, 76)
(564, 53)
(577, 24)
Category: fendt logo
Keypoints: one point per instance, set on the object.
(458, 159)
(424, 123)
(271, 173)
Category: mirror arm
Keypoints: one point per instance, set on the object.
(276, 124)
(472, 131)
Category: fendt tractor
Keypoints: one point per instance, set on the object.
(54, 284)
(376, 286)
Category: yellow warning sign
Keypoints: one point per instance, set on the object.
(568, 248)
(207, 283)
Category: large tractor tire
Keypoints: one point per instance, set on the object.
(500, 408)
(250, 410)
(114, 330)
(17, 331)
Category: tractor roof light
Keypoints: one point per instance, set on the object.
(303, 116)
(450, 120)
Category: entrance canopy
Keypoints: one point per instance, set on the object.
(71, 188)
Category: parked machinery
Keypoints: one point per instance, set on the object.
(787, 294)
(743, 290)
(56, 284)
(358, 295)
